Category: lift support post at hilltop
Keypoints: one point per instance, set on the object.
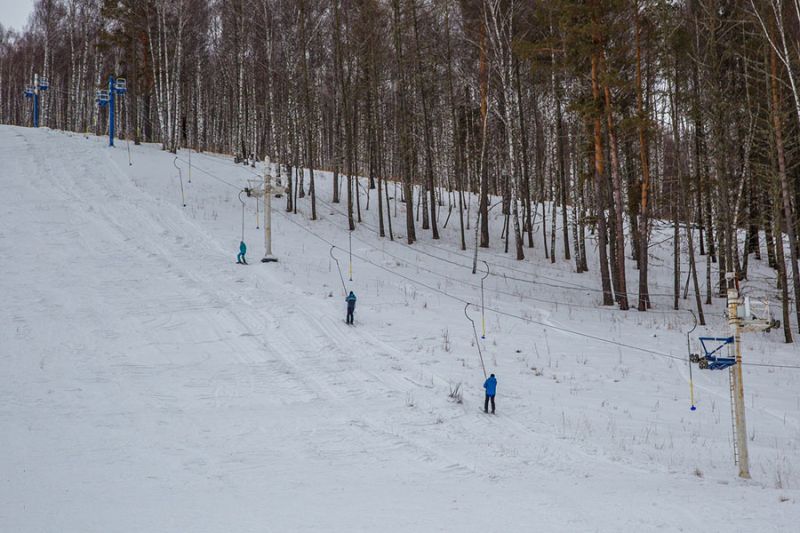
(108, 97)
(742, 316)
(40, 84)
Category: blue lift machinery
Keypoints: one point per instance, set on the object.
(749, 316)
(712, 360)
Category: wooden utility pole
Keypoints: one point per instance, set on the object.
(740, 425)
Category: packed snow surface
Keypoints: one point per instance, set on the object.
(148, 383)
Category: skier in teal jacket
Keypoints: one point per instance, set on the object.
(242, 250)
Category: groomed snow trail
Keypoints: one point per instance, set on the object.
(149, 383)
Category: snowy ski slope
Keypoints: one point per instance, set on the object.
(148, 383)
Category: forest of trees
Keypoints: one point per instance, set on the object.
(631, 114)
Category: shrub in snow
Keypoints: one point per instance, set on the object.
(409, 399)
(456, 394)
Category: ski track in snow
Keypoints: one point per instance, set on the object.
(151, 384)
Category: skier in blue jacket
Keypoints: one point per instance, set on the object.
(351, 307)
(242, 250)
(491, 389)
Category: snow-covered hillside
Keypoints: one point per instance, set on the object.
(149, 383)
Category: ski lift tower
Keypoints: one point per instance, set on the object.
(266, 191)
(268, 174)
(743, 315)
(39, 84)
(118, 86)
